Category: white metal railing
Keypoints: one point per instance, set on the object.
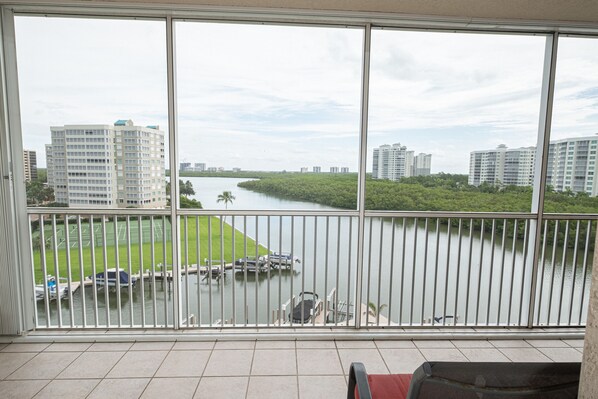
(246, 269)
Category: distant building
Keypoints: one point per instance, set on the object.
(344, 170)
(185, 166)
(505, 166)
(394, 162)
(30, 165)
(317, 169)
(92, 166)
(304, 170)
(334, 169)
(236, 170)
(572, 165)
(49, 165)
(199, 167)
(212, 169)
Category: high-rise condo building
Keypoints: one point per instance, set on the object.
(317, 169)
(334, 169)
(394, 162)
(30, 165)
(107, 166)
(505, 166)
(571, 165)
(344, 169)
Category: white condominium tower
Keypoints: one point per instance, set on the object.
(572, 165)
(505, 166)
(107, 166)
(394, 162)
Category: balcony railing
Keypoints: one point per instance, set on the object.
(283, 269)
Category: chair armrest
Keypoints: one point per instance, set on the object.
(358, 377)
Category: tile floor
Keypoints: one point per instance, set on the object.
(237, 369)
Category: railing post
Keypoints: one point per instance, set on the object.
(174, 171)
(365, 82)
(542, 148)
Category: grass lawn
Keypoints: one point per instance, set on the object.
(140, 258)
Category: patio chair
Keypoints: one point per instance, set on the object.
(462, 380)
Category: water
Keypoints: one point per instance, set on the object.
(403, 274)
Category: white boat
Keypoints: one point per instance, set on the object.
(283, 258)
(122, 280)
(53, 289)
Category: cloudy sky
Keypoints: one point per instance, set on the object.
(265, 97)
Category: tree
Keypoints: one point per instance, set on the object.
(226, 197)
(185, 190)
(373, 310)
(37, 193)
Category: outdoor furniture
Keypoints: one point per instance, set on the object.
(462, 380)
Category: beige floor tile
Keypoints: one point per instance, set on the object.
(510, 343)
(21, 389)
(484, 355)
(272, 387)
(193, 345)
(9, 362)
(395, 344)
(2, 346)
(274, 362)
(436, 344)
(443, 355)
(110, 347)
(71, 389)
(524, 355)
(322, 387)
(275, 345)
(138, 364)
(369, 357)
(44, 366)
(316, 345)
(401, 361)
(472, 343)
(575, 343)
(67, 347)
(92, 365)
(152, 346)
(25, 347)
(356, 344)
(547, 343)
(318, 362)
(222, 388)
(235, 345)
(229, 363)
(179, 388)
(119, 388)
(184, 364)
(562, 354)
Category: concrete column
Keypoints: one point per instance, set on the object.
(588, 384)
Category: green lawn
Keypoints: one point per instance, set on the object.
(189, 254)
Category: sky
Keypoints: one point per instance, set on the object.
(269, 97)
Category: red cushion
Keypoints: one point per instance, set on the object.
(388, 386)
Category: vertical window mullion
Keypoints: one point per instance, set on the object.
(543, 144)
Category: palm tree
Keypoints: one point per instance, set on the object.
(374, 310)
(226, 197)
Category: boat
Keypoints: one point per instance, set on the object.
(53, 289)
(123, 279)
(251, 264)
(282, 259)
(306, 308)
